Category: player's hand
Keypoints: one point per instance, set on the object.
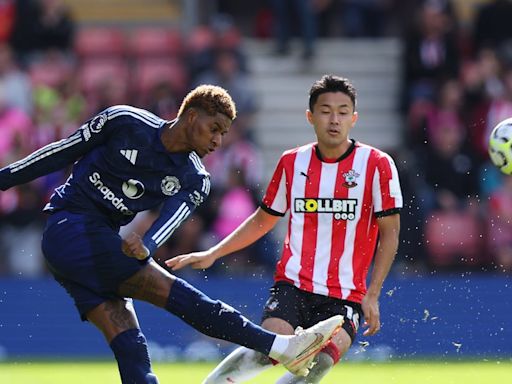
(197, 260)
(370, 306)
(134, 247)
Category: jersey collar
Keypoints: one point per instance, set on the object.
(344, 156)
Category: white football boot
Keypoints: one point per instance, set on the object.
(302, 348)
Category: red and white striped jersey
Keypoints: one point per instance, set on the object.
(334, 205)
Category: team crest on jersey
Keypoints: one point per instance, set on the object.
(98, 122)
(271, 304)
(170, 185)
(350, 179)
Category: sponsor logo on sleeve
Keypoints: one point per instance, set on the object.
(97, 122)
(196, 198)
(86, 132)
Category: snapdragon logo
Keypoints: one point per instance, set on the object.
(108, 195)
(342, 209)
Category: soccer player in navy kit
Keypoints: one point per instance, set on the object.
(129, 160)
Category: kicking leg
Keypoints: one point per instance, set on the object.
(118, 322)
(243, 364)
(217, 319)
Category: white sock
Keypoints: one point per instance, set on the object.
(241, 365)
(279, 346)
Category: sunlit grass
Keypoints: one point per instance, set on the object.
(409, 372)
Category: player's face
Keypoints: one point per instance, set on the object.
(332, 117)
(207, 132)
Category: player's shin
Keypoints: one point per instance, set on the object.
(322, 365)
(215, 318)
(239, 366)
(131, 352)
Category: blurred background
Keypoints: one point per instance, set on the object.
(433, 78)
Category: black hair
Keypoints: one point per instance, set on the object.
(331, 83)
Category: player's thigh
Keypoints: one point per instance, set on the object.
(277, 325)
(87, 250)
(151, 284)
(113, 317)
(322, 307)
(283, 310)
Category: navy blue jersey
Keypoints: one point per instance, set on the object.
(121, 168)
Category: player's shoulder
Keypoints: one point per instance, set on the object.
(196, 166)
(373, 151)
(292, 152)
(197, 178)
(133, 113)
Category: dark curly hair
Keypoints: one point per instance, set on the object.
(211, 99)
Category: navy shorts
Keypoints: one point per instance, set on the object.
(84, 254)
(305, 309)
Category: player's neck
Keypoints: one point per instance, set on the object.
(174, 139)
(332, 154)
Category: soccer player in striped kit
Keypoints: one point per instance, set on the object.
(343, 199)
(129, 160)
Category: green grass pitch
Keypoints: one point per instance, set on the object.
(383, 373)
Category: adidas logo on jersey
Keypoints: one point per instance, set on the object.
(130, 154)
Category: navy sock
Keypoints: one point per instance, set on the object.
(215, 318)
(131, 352)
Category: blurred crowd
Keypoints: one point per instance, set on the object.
(457, 84)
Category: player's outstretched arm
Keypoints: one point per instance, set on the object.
(389, 228)
(252, 229)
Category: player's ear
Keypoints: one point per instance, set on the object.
(309, 116)
(355, 116)
(191, 115)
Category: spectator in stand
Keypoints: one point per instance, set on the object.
(237, 153)
(14, 82)
(227, 73)
(7, 14)
(15, 128)
(162, 101)
(42, 25)
(450, 170)
(490, 111)
(492, 24)
(499, 225)
(285, 12)
(365, 18)
(425, 115)
(431, 53)
(20, 224)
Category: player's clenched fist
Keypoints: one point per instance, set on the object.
(134, 247)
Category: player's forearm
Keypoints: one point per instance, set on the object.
(386, 251)
(252, 229)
